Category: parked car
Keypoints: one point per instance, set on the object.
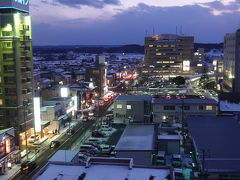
(85, 118)
(28, 166)
(97, 134)
(70, 131)
(178, 174)
(33, 138)
(176, 160)
(106, 149)
(160, 158)
(54, 144)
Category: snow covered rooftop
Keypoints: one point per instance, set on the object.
(136, 137)
(64, 156)
(229, 106)
(168, 137)
(101, 172)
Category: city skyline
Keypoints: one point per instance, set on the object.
(119, 22)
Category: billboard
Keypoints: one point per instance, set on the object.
(22, 5)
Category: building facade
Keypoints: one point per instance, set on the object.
(132, 109)
(98, 75)
(169, 53)
(16, 74)
(177, 110)
(232, 62)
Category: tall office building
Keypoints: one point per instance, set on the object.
(16, 74)
(232, 62)
(98, 75)
(169, 53)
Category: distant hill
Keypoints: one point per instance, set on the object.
(208, 47)
(98, 49)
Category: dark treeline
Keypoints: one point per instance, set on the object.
(132, 48)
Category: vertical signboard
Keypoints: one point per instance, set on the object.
(37, 115)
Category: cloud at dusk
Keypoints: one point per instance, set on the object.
(124, 21)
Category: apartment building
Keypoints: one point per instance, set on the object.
(177, 109)
(16, 74)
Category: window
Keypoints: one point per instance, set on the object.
(7, 45)
(201, 108)
(169, 107)
(0, 90)
(187, 108)
(129, 107)
(150, 45)
(7, 56)
(6, 33)
(119, 106)
(1, 101)
(209, 108)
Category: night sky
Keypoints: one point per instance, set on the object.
(118, 22)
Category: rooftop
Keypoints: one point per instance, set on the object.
(187, 100)
(219, 137)
(63, 156)
(100, 171)
(134, 98)
(137, 138)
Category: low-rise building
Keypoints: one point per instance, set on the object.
(137, 142)
(103, 168)
(229, 104)
(217, 145)
(132, 109)
(177, 109)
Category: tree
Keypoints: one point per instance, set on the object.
(179, 80)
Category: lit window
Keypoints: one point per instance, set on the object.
(129, 107)
(209, 108)
(158, 54)
(150, 45)
(1, 102)
(119, 106)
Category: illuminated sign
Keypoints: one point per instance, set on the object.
(21, 5)
(37, 115)
(64, 92)
(186, 65)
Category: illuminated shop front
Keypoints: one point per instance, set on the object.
(8, 153)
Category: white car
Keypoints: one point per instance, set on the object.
(33, 138)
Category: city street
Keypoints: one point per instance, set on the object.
(66, 143)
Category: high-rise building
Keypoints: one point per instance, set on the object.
(16, 74)
(169, 53)
(98, 75)
(232, 62)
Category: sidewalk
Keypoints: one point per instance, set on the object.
(32, 155)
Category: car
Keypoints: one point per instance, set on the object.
(54, 144)
(97, 134)
(176, 160)
(28, 166)
(85, 119)
(33, 138)
(70, 131)
(160, 158)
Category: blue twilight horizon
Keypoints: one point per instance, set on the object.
(117, 22)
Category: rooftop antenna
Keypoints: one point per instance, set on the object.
(146, 33)
(176, 30)
(153, 31)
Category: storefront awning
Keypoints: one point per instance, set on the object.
(45, 124)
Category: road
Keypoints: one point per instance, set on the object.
(66, 143)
